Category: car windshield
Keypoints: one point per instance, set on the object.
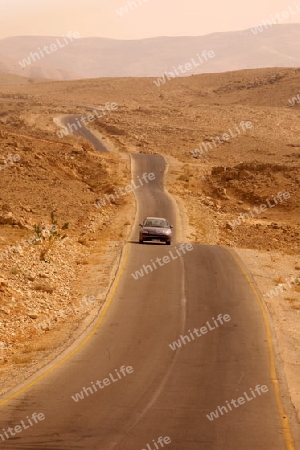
(158, 223)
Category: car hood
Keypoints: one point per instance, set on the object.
(157, 230)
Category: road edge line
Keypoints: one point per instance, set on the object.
(288, 437)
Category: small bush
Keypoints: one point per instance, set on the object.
(47, 236)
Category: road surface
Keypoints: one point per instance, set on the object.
(167, 393)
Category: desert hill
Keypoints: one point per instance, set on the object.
(275, 46)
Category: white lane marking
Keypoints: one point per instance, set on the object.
(183, 302)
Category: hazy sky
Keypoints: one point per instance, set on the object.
(150, 18)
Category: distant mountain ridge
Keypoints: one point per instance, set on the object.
(276, 46)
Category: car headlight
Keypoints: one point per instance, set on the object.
(168, 232)
(145, 232)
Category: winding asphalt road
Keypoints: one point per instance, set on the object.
(167, 393)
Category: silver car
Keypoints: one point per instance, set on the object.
(155, 229)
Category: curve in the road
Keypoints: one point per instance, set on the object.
(174, 377)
